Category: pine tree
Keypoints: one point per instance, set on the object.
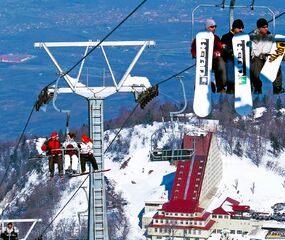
(275, 144)
(238, 149)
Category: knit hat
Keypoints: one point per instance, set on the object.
(209, 22)
(261, 22)
(54, 135)
(237, 24)
(85, 138)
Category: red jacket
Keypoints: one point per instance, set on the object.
(218, 47)
(52, 147)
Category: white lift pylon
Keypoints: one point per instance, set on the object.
(97, 211)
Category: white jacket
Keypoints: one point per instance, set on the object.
(86, 148)
(70, 142)
(260, 44)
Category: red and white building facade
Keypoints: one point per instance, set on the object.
(196, 181)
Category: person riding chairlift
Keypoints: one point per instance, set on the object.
(218, 64)
(86, 153)
(53, 149)
(70, 153)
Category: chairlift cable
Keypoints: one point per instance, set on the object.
(177, 74)
(51, 222)
(17, 145)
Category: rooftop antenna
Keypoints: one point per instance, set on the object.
(97, 213)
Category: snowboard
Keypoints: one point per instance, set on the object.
(273, 61)
(70, 174)
(202, 103)
(243, 97)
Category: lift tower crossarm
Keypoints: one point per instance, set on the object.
(75, 86)
(94, 44)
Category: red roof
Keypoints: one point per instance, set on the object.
(231, 200)
(241, 208)
(220, 211)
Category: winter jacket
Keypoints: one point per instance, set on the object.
(52, 147)
(218, 47)
(70, 147)
(261, 45)
(86, 148)
(9, 234)
(228, 50)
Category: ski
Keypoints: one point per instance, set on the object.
(81, 174)
(243, 97)
(202, 103)
(273, 61)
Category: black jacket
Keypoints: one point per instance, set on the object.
(228, 53)
(9, 236)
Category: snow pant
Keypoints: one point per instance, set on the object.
(230, 70)
(256, 67)
(70, 162)
(51, 162)
(219, 68)
(87, 158)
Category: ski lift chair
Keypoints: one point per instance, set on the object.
(173, 150)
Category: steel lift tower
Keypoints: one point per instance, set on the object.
(97, 217)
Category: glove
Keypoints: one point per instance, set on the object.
(216, 54)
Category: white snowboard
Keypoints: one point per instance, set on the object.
(273, 62)
(202, 104)
(243, 97)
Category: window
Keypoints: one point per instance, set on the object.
(233, 232)
(239, 231)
